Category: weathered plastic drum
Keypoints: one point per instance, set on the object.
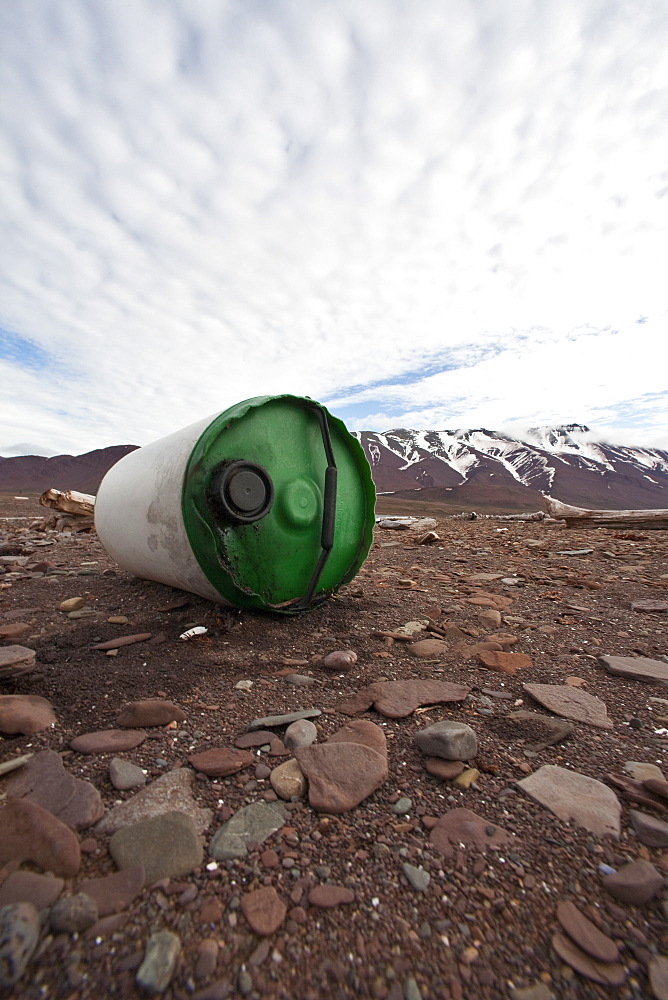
(269, 504)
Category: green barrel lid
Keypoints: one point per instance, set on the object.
(278, 503)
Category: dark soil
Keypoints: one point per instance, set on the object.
(484, 925)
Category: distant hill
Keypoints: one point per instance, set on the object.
(34, 473)
(483, 468)
(471, 469)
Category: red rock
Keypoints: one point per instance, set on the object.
(28, 887)
(657, 785)
(220, 761)
(264, 910)
(571, 703)
(504, 663)
(650, 830)
(25, 713)
(636, 883)
(462, 826)
(397, 699)
(15, 630)
(586, 934)
(108, 741)
(149, 712)
(364, 732)
(445, 769)
(340, 660)
(115, 892)
(327, 896)
(427, 648)
(607, 973)
(260, 738)
(30, 833)
(269, 858)
(341, 775)
(44, 780)
(124, 640)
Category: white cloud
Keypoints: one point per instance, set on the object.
(211, 200)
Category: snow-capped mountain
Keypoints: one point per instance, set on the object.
(565, 462)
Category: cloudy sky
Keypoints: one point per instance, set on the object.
(425, 213)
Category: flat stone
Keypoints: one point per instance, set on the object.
(149, 712)
(28, 887)
(571, 703)
(124, 775)
(45, 781)
(172, 792)
(157, 968)
(364, 732)
(220, 761)
(123, 640)
(537, 991)
(264, 910)
(428, 648)
(327, 896)
(657, 971)
(504, 663)
(640, 770)
(19, 934)
(108, 741)
(300, 680)
(575, 797)
(341, 775)
(30, 833)
(659, 786)
(398, 699)
(73, 914)
(15, 630)
(288, 780)
(25, 713)
(586, 934)
(115, 892)
(444, 769)
(636, 883)
(448, 739)
(300, 734)
(254, 823)
(647, 606)
(261, 738)
(642, 668)
(539, 731)
(607, 973)
(490, 616)
(462, 826)
(649, 829)
(166, 846)
(270, 721)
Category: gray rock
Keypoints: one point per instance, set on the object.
(301, 733)
(642, 668)
(125, 775)
(635, 883)
(73, 914)
(538, 991)
(411, 989)
(650, 830)
(573, 796)
(254, 823)
(402, 805)
(19, 934)
(270, 721)
(166, 846)
(449, 740)
(172, 792)
(300, 680)
(155, 972)
(417, 877)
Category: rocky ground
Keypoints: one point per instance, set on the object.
(155, 843)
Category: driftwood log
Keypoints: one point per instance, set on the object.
(75, 510)
(581, 517)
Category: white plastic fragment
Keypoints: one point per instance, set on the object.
(198, 630)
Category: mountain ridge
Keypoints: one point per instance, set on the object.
(467, 467)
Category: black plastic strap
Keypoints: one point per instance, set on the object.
(328, 509)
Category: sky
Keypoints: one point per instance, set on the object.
(423, 213)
